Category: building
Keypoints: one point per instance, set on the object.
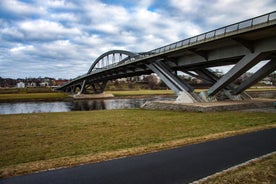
(20, 85)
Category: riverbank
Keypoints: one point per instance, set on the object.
(58, 96)
(91, 96)
(35, 142)
(139, 93)
(33, 97)
(211, 106)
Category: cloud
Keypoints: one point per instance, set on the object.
(60, 4)
(44, 29)
(70, 17)
(221, 12)
(20, 9)
(21, 48)
(61, 38)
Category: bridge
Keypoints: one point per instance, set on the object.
(243, 45)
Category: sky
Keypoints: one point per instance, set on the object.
(62, 38)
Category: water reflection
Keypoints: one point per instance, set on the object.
(85, 105)
(33, 107)
(76, 105)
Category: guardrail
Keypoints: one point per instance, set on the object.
(249, 23)
(266, 18)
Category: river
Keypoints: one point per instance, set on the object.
(74, 105)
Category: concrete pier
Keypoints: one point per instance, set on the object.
(211, 106)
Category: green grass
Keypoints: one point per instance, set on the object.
(261, 171)
(262, 89)
(166, 92)
(9, 90)
(32, 96)
(25, 90)
(29, 138)
(140, 92)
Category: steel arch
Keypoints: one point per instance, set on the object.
(129, 55)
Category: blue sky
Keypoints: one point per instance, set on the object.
(61, 38)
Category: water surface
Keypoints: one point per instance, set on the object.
(74, 105)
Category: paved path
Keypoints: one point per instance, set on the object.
(180, 165)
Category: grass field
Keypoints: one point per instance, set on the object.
(140, 92)
(33, 94)
(25, 90)
(31, 142)
(32, 97)
(14, 97)
(260, 171)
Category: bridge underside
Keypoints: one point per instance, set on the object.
(221, 87)
(242, 49)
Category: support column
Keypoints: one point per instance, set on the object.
(72, 89)
(248, 61)
(182, 89)
(99, 87)
(173, 81)
(209, 75)
(103, 85)
(198, 75)
(82, 87)
(260, 74)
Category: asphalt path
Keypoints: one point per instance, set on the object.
(179, 165)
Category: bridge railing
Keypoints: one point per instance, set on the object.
(263, 19)
(220, 32)
(98, 69)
